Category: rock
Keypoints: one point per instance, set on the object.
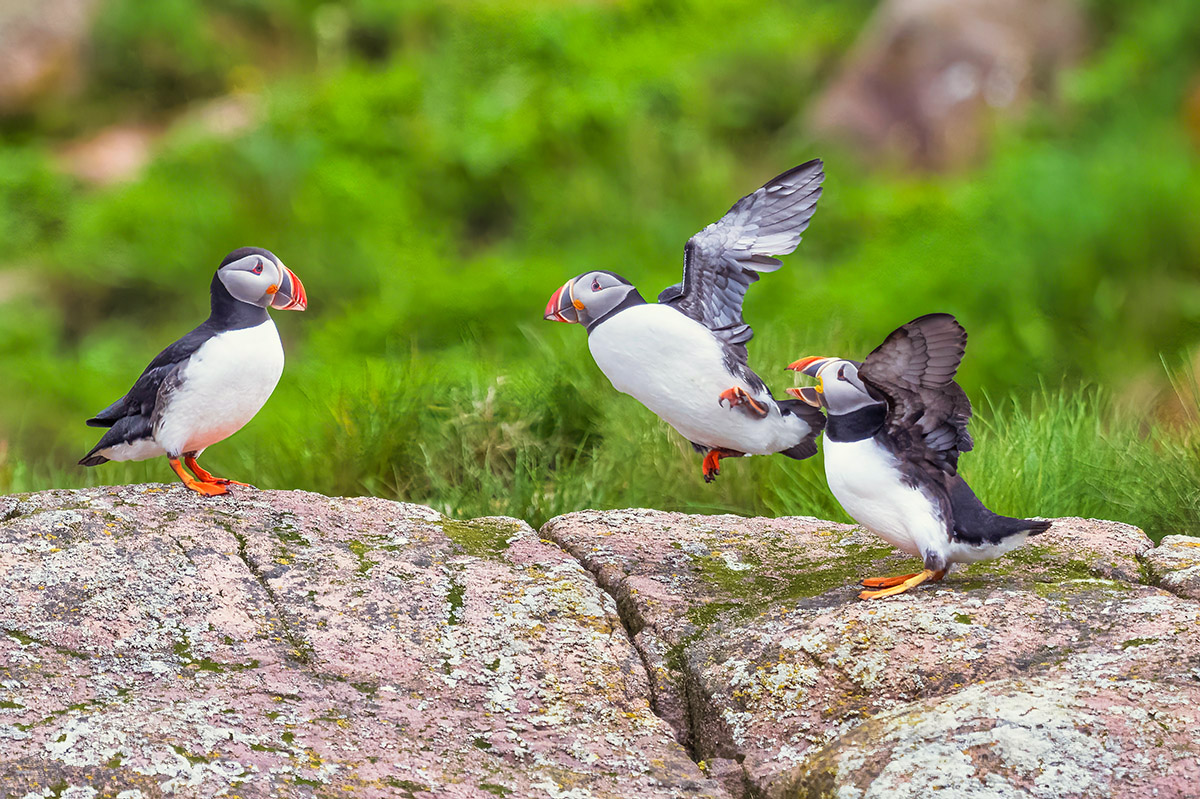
(40, 43)
(926, 78)
(112, 155)
(1175, 565)
(1051, 672)
(155, 643)
(280, 643)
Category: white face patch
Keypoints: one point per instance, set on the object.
(250, 279)
(843, 390)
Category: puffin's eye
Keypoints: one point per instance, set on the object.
(595, 284)
(258, 268)
(842, 375)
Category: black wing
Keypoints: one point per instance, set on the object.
(913, 369)
(131, 417)
(721, 261)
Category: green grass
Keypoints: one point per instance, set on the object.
(535, 442)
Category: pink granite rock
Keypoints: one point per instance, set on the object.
(1175, 564)
(785, 684)
(156, 643)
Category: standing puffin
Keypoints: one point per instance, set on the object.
(684, 357)
(897, 423)
(210, 383)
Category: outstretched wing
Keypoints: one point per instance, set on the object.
(721, 261)
(928, 412)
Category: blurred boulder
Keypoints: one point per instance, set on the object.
(927, 77)
(119, 152)
(40, 44)
(111, 155)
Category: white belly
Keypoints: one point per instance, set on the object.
(864, 478)
(224, 384)
(674, 366)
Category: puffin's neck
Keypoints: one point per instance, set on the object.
(856, 425)
(229, 313)
(633, 298)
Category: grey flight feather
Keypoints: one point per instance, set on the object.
(721, 261)
(913, 369)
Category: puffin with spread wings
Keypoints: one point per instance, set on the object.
(684, 357)
(897, 424)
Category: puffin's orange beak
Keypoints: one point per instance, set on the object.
(290, 294)
(562, 307)
(809, 365)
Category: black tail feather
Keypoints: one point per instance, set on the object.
(975, 524)
(93, 460)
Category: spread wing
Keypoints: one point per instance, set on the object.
(928, 412)
(721, 261)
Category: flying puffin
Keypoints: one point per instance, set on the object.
(684, 357)
(210, 383)
(897, 423)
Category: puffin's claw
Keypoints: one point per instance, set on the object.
(204, 476)
(199, 486)
(737, 397)
(712, 465)
(906, 582)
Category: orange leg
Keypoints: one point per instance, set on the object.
(206, 477)
(208, 489)
(712, 465)
(909, 581)
(737, 397)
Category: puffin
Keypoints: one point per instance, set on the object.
(210, 383)
(897, 423)
(684, 357)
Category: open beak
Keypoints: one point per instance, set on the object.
(813, 395)
(562, 306)
(289, 295)
(809, 366)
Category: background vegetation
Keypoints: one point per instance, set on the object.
(433, 171)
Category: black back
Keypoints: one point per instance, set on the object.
(131, 417)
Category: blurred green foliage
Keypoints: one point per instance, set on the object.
(433, 171)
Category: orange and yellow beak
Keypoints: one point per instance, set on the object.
(809, 365)
(289, 295)
(563, 307)
(813, 395)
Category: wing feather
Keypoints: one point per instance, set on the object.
(928, 412)
(721, 261)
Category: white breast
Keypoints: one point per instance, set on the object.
(864, 477)
(223, 385)
(674, 366)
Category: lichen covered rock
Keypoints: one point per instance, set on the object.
(153, 643)
(1175, 565)
(778, 675)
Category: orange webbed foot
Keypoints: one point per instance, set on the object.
(711, 466)
(207, 489)
(898, 585)
(738, 398)
(204, 476)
